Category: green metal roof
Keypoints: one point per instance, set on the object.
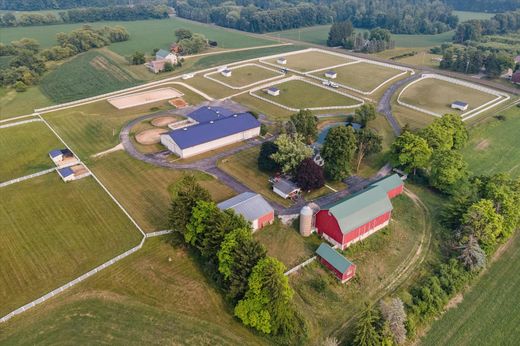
(388, 183)
(336, 259)
(358, 209)
(162, 53)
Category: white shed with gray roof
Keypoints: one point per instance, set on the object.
(253, 207)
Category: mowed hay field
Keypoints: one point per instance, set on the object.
(309, 61)
(145, 190)
(245, 75)
(437, 95)
(489, 314)
(362, 75)
(145, 35)
(494, 145)
(88, 74)
(330, 306)
(156, 296)
(13, 103)
(25, 149)
(53, 232)
(300, 95)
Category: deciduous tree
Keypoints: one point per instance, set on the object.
(448, 168)
(365, 113)
(484, 223)
(337, 151)
(306, 124)
(367, 142)
(291, 151)
(265, 161)
(411, 151)
(393, 312)
(309, 176)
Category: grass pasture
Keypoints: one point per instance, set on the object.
(300, 95)
(489, 314)
(363, 76)
(152, 297)
(52, 232)
(310, 61)
(13, 103)
(436, 95)
(493, 145)
(145, 190)
(242, 76)
(88, 74)
(25, 149)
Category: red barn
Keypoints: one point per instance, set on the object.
(342, 268)
(360, 215)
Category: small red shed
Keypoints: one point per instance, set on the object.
(342, 268)
(392, 184)
(253, 207)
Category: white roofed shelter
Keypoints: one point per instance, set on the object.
(253, 207)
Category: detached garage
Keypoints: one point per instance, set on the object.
(253, 207)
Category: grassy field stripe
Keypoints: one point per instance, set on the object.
(98, 181)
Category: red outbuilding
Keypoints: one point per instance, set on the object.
(360, 215)
(342, 268)
(253, 207)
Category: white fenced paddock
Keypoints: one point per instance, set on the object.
(141, 98)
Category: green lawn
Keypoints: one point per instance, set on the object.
(286, 244)
(489, 314)
(13, 103)
(493, 145)
(246, 75)
(300, 95)
(145, 190)
(309, 61)
(437, 95)
(145, 35)
(363, 76)
(88, 74)
(53, 232)
(25, 149)
(328, 305)
(318, 35)
(157, 296)
(466, 15)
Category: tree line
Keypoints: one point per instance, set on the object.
(399, 16)
(27, 60)
(253, 283)
(35, 5)
(483, 212)
(91, 14)
(342, 34)
(499, 24)
(485, 5)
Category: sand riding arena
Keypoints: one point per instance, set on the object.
(141, 98)
(149, 137)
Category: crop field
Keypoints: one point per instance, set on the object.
(318, 35)
(87, 74)
(286, 244)
(145, 190)
(145, 35)
(243, 76)
(309, 61)
(437, 95)
(25, 149)
(363, 76)
(153, 296)
(493, 145)
(300, 95)
(52, 232)
(489, 314)
(328, 305)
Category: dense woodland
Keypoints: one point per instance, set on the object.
(34, 5)
(399, 16)
(91, 14)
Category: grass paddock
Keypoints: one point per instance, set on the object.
(309, 61)
(53, 232)
(246, 75)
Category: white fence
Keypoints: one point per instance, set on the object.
(158, 233)
(19, 123)
(26, 177)
(500, 97)
(252, 92)
(69, 284)
(299, 266)
(208, 76)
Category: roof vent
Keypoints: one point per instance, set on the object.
(185, 129)
(235, 115)
(211, 122)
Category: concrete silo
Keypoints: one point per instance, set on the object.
(306, 221)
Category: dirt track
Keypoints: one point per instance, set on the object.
(148, 137)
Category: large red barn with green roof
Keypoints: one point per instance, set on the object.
(358, 216)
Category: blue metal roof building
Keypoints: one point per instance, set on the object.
(207, 114)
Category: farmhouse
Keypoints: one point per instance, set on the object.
(360, 215)
(459, 105)
(226, 73)
(281, 60)
(252, 207)
(214, 128)
(516, 77)
(273, 91)
(161, 58)
(342, 268)
(285, 188)
(331, 74)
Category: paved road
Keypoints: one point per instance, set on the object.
(385, 104)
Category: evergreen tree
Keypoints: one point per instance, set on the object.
(471, 255)
(365, 331)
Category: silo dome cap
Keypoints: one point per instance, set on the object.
(306, 210)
